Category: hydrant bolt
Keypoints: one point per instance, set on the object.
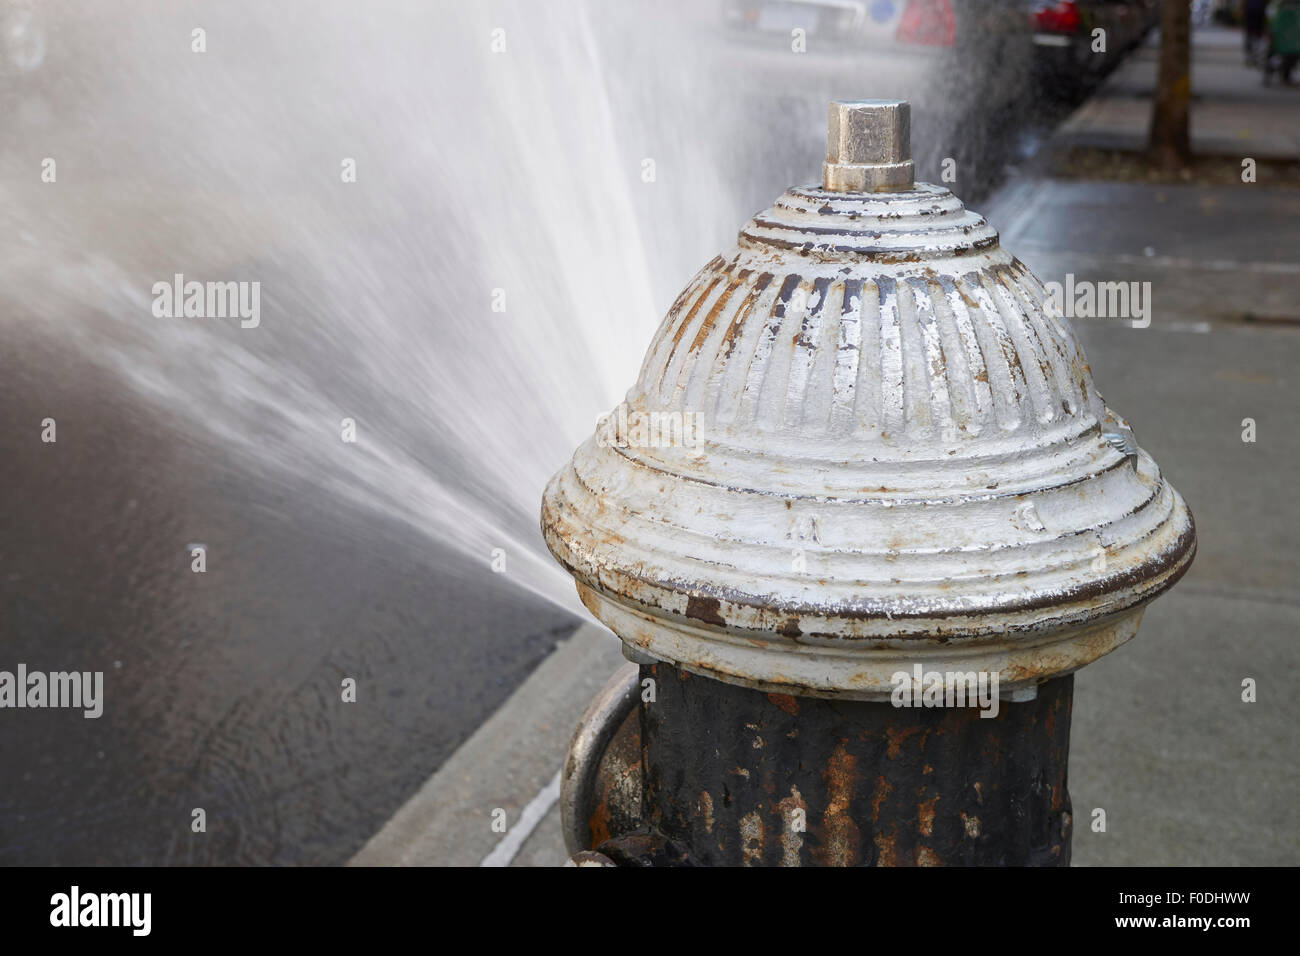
(869, 147)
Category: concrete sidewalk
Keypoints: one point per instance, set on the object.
(1233, 114)
(1187, 772)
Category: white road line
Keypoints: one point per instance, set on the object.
(1178, 326)
(1176, 262)
(1213, 265)
(505, 851)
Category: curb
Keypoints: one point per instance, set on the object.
(511, 763)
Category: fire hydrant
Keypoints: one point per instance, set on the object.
(861, 517)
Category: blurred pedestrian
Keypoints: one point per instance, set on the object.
(1252, 27)
(1282, 45)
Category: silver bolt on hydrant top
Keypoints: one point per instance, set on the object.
(893, 453)
(868, 147)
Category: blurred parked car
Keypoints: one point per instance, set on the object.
(1065, 37)
(848, 22)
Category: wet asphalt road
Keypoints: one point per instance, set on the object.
(222, 689)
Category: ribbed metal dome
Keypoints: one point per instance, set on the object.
(944, 340)
(899, 454)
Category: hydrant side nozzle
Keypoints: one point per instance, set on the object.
(869, 147)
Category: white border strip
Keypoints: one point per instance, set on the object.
(508, 848)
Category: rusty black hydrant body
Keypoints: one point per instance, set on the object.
(728, 770)
(861, 517)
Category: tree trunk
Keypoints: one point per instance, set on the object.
(1169, 144)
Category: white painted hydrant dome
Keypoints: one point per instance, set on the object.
(891, 452)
